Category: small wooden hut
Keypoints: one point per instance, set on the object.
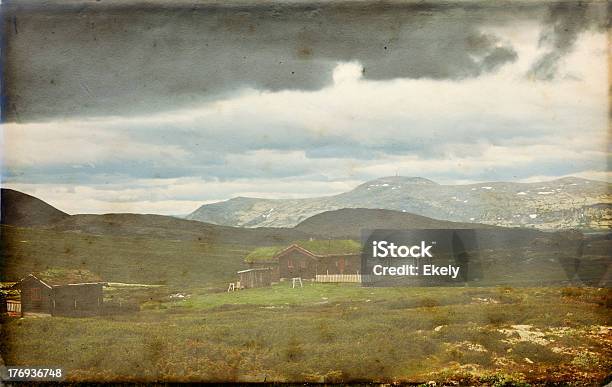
(61, 293)
(255, 278)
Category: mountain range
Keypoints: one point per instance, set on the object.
(145, 248)
(557, 204)
(22, 210)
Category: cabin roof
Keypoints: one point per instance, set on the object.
(254, 269)
(316, 248)
(63, 277)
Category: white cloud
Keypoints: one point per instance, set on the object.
(347, 72)
(305, 143)
(75, 142)
(170, 196)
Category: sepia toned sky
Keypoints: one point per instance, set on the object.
(113, 106)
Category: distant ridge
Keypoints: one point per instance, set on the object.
(399, 180)
(336, 224)
(164, 249)
(564, 203)
(169, 227)
(27, 211)
(559, 204)
(348, 222)
(23, 210)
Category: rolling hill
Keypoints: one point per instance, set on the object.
(164, 249)
(348, 222)
(558, 204)
(337, 224)
(20, 209)
(168, 227)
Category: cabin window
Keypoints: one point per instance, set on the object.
(303, 264)
(35, 294)
(290, 264)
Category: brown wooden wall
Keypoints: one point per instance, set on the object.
(82, 299)
(273, 266)
(35, 297)
(255, 279)
(297, 264)
(341, 264)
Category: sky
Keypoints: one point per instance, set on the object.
(157, 109)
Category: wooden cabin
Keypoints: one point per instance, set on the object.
(297, 260)
(61, 293)
(254, 278)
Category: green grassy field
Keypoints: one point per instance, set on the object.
(120, 259)
(333, 333)
(319, 333)
(192, 263)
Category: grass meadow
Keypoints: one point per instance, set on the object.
(144, 259)
(333, 333)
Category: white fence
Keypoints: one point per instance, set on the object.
(342, 278)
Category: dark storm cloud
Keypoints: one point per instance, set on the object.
(562, 25)
(93, 58)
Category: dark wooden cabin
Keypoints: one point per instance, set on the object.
(61, 293)
(296, 261)
(255, 278)
(307, 259)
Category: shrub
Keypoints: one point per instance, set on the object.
(586, 360)
(463, 356)
(404, 303)
(428, 302)
(110, 308)
(535, 352)
(501, 380)
(572, 292)
(504, 298)
(294, 351)
(498, 317)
